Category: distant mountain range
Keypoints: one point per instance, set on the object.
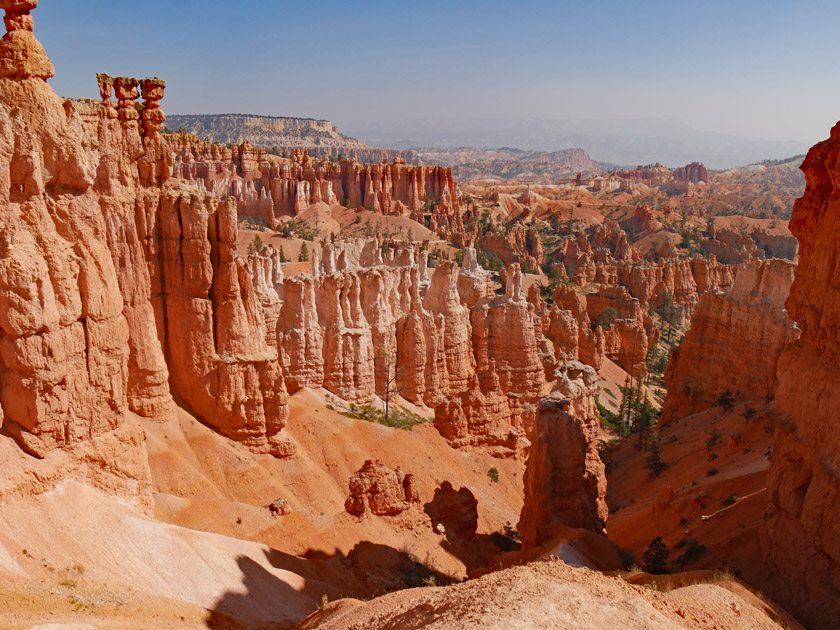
(618, 142)
(319, 137)
(531, 150)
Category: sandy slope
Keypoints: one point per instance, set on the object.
(86, 537)
(210, 483)
(712, 493)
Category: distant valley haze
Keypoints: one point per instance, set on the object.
(619, 142)
(655, 81)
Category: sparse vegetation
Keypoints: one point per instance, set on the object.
(726, 400)
(730, 500)
(654, 461)
(628, 558)
(655, 556)
(297, 229)
(398, 418)
(606, 318)
(511, 532)
(493, 473)
(693, 551)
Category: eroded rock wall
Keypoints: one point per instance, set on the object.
(734, 342)
(801, 535)
(270, 187)
(112, 273)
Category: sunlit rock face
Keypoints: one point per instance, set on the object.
(734, 342)
(802, 524)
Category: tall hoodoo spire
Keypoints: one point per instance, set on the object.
(21, 55)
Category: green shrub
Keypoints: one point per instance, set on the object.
(628, 558)
(398, 418)
(493, 474)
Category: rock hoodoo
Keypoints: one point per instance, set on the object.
(376, 489)
(270, 188)
(112, 272)
(565, 481)
(21, 55)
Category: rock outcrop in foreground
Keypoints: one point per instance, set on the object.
(541, 596)
(801, 538)
(734, 342)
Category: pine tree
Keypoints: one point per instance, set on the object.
(282, 255)
(304, 253)
(656, 556)
(626, 400)
(392, 373)
(637, 402)
(654, 461)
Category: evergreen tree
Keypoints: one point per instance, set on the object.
(726, 400)
(647, 418)
(637, 401)
(654, 461)
(624, 407)
(304, 253)
(282, 255)
(656, 556)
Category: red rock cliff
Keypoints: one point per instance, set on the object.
(269, 187)
(801, 537)
(734, 342)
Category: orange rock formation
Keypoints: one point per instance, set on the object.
(802, 525)
(112, 273)
(269, 187)
(734, 342)
(377, 489)
(565, 482)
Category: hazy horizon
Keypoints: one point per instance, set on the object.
(746, 70)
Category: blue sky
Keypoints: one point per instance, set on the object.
(763, 69)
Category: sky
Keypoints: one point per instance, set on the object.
(765, 69)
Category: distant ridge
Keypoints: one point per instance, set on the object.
(283, 133)
(618, 141)
(509, 164)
